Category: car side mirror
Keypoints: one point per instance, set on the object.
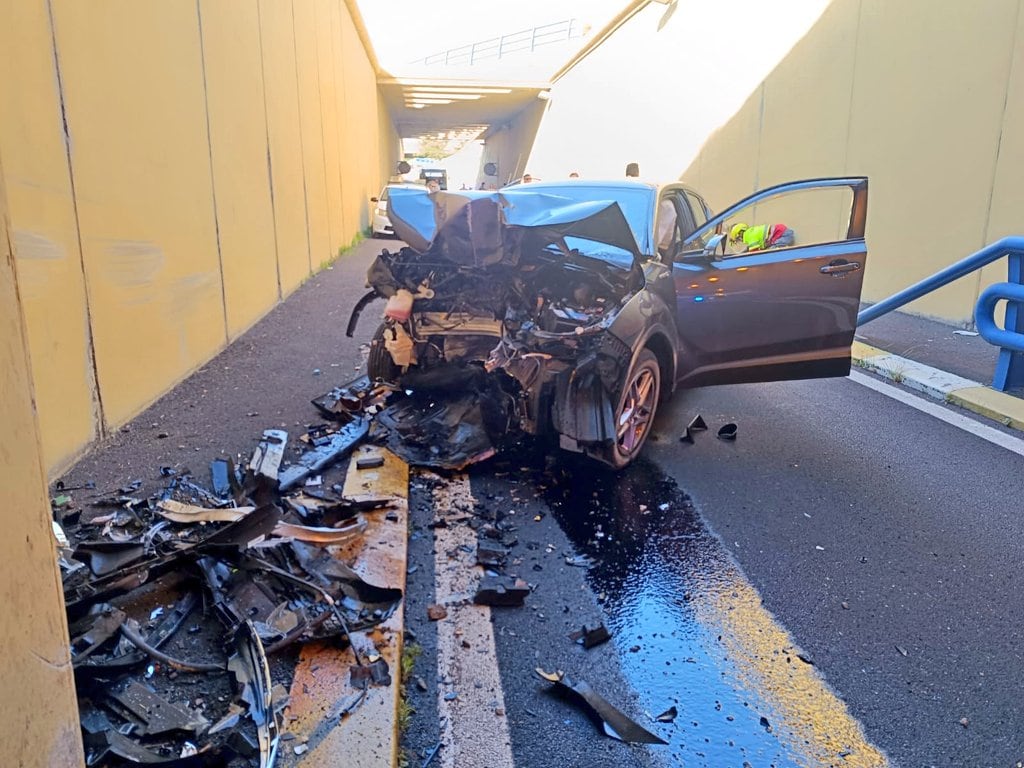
(374, 200)
(707, 253)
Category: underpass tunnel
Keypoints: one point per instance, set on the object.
(505, 116)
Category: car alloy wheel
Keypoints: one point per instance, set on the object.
(636, 409)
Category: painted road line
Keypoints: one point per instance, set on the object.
(368, 736)
(807, 717)
(471, 703)
(967, 424)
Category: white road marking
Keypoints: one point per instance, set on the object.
(474, 727)
(985, 432)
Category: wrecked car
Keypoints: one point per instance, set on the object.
(573, 309)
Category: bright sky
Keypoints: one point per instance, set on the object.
(405, 30)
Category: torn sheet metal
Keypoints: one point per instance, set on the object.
(323, 536)
(189, 514)
(337, 447)
(111, 744)
(252, 673)
(613, 722)
(266, 459)
(153, 714)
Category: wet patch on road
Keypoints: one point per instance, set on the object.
(690, 629)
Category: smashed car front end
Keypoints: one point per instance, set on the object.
(500, 319)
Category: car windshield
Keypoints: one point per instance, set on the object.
(636, 204)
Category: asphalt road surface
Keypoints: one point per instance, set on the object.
(848, 561)
(885, 541)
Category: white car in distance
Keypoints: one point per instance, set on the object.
(381, 222)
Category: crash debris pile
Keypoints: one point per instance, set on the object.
(185, 606)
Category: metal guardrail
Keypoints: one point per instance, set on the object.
(1009, 372)
(527, 40)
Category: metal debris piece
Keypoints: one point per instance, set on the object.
(375, 672)
(588, 638)
(728, 432)
(154, 714)
(131, 633)
(94, 630)
(697, 424)
(100, 747)
(340, 445)
(249, 665)
(230, 719)
(431, 755)
(370, 462)
(501, 591)
(104, 557)
(668, 716)
(266, 459)
(613, 722)
(490, 554)
(350, 398)
(323, 536)
(222, 477)
(579, 561)
(177, 512)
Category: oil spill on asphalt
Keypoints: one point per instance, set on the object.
(658, 569)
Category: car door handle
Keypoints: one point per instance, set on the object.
(838, 267)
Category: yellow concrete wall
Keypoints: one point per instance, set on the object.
(38, 711)
(924, 97)
(218, 155)
(44, 231)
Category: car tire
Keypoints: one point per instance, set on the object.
(634, 413)
(379, 364)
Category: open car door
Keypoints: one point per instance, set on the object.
(766, 310)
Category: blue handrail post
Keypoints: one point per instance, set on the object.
(1009, 372)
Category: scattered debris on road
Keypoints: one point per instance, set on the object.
(728, 432)
(180, 603)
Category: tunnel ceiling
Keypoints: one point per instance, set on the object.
(422, 107)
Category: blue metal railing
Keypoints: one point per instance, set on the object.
(1009, 371)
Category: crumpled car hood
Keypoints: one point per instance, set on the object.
(470, 227)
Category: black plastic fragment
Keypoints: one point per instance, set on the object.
(687, 436)
(669, 715)
(697, 424)
(727, 432)
(613, 722)
(370, 462)
(502, 591)
(589, 638)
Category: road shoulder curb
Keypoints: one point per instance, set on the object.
(968, 394)
(367, 736)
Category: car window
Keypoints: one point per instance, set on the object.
(804, 217)
(700, 210)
